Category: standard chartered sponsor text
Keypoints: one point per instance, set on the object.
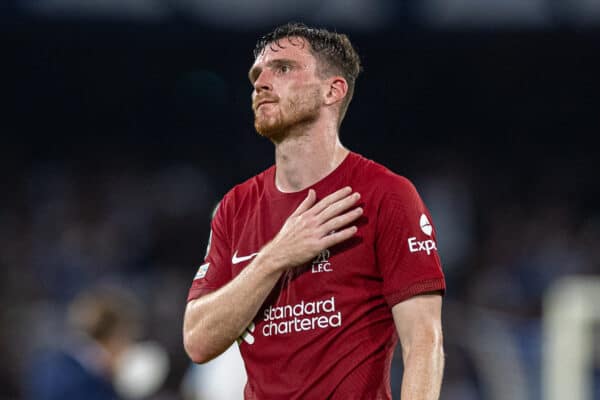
(304, 316)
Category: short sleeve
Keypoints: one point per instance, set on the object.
(216, 268)
(406, 245)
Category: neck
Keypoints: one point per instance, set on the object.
(304, 158)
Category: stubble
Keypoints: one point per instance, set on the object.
(292, 113)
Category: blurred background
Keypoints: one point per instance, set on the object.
(125, 121)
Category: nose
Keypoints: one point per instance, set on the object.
(263, 82)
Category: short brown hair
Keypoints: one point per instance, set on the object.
(106, 311)
(333, 51)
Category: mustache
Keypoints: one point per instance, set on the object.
(258, 100)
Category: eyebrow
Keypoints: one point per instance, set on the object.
(255, 70)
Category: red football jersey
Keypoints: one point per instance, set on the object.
(326, 330)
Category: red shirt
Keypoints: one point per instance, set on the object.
(326, 330)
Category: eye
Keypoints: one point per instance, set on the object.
(284, 68)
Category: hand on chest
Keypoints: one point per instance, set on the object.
(354, 256)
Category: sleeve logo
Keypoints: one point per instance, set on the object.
(425, 225)
(428, 245)
(202, 271)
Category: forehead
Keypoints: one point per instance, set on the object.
(291, 48)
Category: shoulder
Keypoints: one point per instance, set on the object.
(384, 182)
(245, 193)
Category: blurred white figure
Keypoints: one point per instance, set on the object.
(222, 378)
(141, 370)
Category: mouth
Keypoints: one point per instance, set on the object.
(263, 102)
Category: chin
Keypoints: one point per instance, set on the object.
(268, 127)
(269, 131)
(276, 128)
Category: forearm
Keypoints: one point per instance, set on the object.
(423, 371)
(214, 321)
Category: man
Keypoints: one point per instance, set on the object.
(318, 262)
(104, 323)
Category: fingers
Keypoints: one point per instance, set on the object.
(338, 207)
(332, 198)
(338, 237)
(306, 231)
(340, 221)
(306, 203)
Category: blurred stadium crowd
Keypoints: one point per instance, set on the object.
(118, 141)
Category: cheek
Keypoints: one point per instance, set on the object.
(306, 98)
(296, 97)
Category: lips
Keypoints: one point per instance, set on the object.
(263, 101)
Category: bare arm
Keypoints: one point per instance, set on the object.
(418, 322)
(213, 321)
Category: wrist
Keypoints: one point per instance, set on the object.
(269, 261)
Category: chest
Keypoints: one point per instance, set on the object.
(348, 268)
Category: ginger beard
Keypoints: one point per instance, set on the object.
(275, 119)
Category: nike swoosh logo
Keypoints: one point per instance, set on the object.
(236, 260)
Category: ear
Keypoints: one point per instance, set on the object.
(338, 87)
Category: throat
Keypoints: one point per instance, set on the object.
(299, 169)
